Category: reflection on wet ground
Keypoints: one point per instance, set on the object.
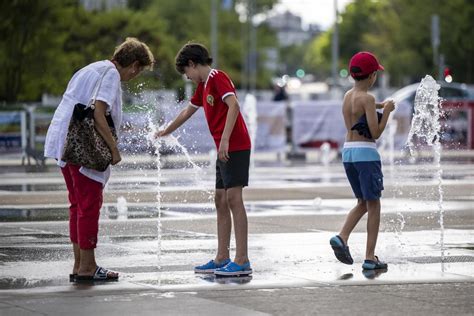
(288, 242)
(225, 280)
(39, 254)
(317, 206)
(372, 274)
(145, 185)
(139, 179)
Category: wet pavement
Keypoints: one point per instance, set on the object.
(293, 211)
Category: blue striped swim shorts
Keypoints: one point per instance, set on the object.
(363, 169)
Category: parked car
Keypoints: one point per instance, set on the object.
(448, 91)
(457, 123)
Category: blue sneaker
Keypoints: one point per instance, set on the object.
(211, 266)
(233, 268)
(374, 265)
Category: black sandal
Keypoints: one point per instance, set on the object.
(341, 250)
(374, 265)
(100, 274)
(72, 277)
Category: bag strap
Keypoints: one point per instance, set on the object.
(96, 89)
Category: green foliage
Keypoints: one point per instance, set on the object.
(399, 33)
(318, 56)
(291, 58)
(44, 42)
(190, 21)
(30, 44)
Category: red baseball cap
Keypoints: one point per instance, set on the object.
(364, 63)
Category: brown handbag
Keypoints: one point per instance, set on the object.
(84, 145)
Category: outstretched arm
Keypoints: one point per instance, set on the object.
(182, 117)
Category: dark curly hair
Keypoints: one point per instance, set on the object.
(195, 52)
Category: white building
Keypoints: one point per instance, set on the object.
(103, 5)
(290, 30)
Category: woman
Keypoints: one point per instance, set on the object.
(85, 185)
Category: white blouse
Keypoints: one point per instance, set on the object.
(80, 90)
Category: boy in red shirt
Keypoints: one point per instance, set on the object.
(215, 93)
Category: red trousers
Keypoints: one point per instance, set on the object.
(85, 198)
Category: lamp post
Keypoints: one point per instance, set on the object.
(335, 47)
(214, 41)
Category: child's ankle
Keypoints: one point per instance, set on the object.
(344, 238)
(219, 259)
(241, 260)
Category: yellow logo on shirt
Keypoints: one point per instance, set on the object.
(210, 100)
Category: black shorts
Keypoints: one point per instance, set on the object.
(234, 172)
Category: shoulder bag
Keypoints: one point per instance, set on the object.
(84, 145)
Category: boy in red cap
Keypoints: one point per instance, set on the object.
(361, 159)
(215, 93)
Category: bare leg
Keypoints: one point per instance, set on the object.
(373, 223)
(236, 204)
(352, 219)
(88, 264)
(77, 258)
(224, 225)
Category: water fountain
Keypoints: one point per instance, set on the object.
(170, 141)
(325, 153)
(156, 142)
(317, 202)
(249, 110)
(122, 208)
(212, 160)
(387, 144)
(425, 131)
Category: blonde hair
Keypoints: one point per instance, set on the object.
(133, 50)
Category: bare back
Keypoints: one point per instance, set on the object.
(354, 106)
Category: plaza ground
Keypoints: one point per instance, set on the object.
(293, 208)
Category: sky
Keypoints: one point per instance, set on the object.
(313, 11)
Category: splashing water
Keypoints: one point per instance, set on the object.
(249, 110)
(399, 222)
(157, 143)
(317, 202)
(325, 154)
(425, 124)
(212, 160)
(173, 142)
(426, 128)
(145, 116)
(170, 142)
(122, 208)
(140, 107)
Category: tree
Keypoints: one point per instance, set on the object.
(317, 57)
(190, 21)
(356, 21)
(399, 33)
(44, 42)
(30, 50)
(457, 37)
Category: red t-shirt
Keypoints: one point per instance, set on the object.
(210, 95)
